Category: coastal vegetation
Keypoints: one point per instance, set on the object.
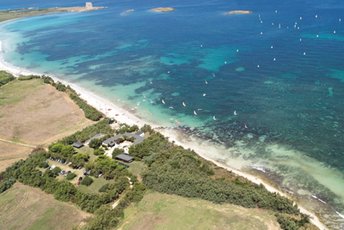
(31, 172)
(5, 78)
(107, 187)
(174, 170)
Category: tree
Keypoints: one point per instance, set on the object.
(95, 143)
(79, 160)
(99, 152)
(70, 176)
(116, 152)
(56, 147)
(55, 171)
(87, 181)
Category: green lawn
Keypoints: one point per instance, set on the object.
(162, 211)
(16, 90)
(137, 168)
(87, 150)
(95, 186)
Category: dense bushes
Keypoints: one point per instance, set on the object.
(107, 167)
(108, 218)
(90, 112)
(175, 170)
(105, 217)
(95, 143)
(87, 181)
(28, 77)
(218, 191)
(127, 129)
(116, 152)
(99, 152)
(88, 132)
(67, 153)
(5, 78)
(70, 176)
(27, 172)
(288, 222)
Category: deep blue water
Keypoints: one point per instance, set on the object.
(271, 78)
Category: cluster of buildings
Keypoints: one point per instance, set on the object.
(121, 141)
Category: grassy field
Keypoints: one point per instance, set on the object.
(10, 153)
(35, 113)
(162, 211)
(24, 207)
(95, 186)
(137, 168)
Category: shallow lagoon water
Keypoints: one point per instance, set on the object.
(273, 79)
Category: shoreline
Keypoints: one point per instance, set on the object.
(111, 110)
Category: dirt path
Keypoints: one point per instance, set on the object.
(18, 143)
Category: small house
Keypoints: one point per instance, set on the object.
(97, 136)
(89, 5)
(77, 144)
(140, 133)
(110, 142)
(124, 157)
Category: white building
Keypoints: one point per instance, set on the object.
(88, 5)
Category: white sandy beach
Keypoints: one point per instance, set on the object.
(201, 147)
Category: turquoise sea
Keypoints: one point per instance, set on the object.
(269, 86)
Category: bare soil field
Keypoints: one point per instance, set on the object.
(35, 114)
(10, 153)
(24, 207)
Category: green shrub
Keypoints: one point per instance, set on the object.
(88, 132)
(95, 143)
(56, 171)
(43, 165)
(70, 176)
(90, 112)
(116, 152)
(87, 181)
(5, 77)
(60, 87)
(29, 77)
(99, 152)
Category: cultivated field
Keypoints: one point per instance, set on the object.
(24, 207)
(162, 211)
(34, 113)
